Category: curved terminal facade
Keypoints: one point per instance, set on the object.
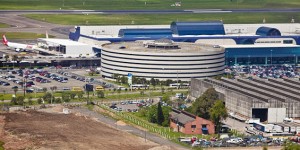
(162, 60)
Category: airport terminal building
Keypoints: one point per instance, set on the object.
(259, 44)
(162, 59)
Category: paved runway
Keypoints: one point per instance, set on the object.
(23, 24)
(146, 11)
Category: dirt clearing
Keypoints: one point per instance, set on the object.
(42, 130)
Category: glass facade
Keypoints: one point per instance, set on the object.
(262, 55)
(154, 33)
(198, 28)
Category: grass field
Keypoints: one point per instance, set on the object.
(143, 19)
(23, 35)
(144, 4)
(3, 25)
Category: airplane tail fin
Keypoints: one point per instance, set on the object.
(47, 35)
(4, 40)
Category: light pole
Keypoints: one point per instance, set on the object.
(248, 65)
(271, 56)
(177, 81)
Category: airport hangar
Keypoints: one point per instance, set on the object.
(271, 100)
(244, 44)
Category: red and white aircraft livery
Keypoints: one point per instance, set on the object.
(16, 46)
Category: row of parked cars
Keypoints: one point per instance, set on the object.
(84, 79)
(270, 71)
(55, 77)
(234, 141)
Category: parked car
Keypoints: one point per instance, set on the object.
(29, 90)
(6, 84)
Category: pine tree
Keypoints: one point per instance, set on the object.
(160, 115)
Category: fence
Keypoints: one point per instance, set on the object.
(165, 132)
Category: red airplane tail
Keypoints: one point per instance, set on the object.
(4, 40)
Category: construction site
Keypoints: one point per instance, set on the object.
(53, 128)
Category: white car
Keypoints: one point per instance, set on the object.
(63, 81)
(233, 141)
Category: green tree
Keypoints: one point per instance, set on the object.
(65, 97)
(13, 101)
(20, 100)
(142, 92)
(152, 81)
(202, 104)
(290, 146)
(119, 90)
(45, 89)
(166, 111)
(39, 101)
(162, 90)
(166, 99)
(15, 58)
(47, 97)
(152, 113)
(160, 114)
(100, 94)
(72, 95)
(124, 79)
(168, 82)
(30, 102)
(6, 57)
(58, 100)
(80, 95)
(218, 113)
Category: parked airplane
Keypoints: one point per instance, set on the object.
(16, 46)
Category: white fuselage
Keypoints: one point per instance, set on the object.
(19, 46)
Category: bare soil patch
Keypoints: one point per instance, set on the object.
(42, 130)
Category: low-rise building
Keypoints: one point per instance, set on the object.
(187, 123)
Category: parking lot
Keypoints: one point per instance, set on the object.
(247, 141)
(270, 71)
(36, 79)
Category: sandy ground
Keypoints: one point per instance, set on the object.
(45, 130)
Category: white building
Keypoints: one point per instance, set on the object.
(66, 47)
(162, 59)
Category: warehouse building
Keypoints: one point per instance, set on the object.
(162, 59)
(271, 100)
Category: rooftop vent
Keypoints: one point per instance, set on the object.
(162, 43)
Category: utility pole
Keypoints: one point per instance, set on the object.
(177, 81)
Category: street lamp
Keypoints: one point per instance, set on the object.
(248, 65)
(271, 56)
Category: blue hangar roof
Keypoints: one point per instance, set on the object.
(198, 28)
(162, 32)
(267, 31)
